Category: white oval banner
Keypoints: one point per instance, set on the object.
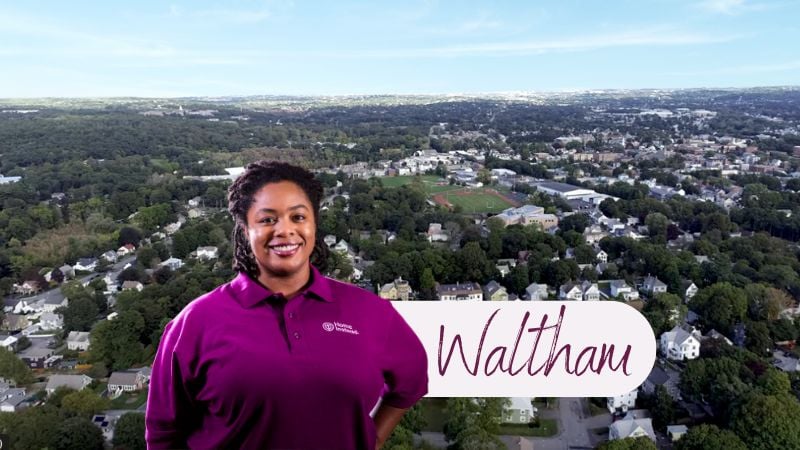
(543, 349)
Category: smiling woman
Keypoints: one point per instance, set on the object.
(281, 348)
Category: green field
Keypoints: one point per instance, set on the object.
(477, 201)
(392, 182)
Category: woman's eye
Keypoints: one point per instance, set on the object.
(268, 220)
(299, 217)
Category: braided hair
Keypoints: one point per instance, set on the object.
(240, 198)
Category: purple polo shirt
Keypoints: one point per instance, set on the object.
(240, 367)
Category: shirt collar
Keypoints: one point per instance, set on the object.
(249, 292)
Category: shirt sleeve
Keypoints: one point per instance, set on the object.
(168, 418)
(405, 364)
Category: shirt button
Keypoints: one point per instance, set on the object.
(296, 335)
(291, 315)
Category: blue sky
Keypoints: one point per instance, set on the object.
(213, 48)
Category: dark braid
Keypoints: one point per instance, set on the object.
(240, 198)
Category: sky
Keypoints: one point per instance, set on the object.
(156, 48)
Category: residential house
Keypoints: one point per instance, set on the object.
(601, 256)
(8, 342)
(620, 287)
(127, 381)
(37, 357)
(493, 291)
(468, 291)
(12, 399)
(172, 263)
(49, 321)
(329, 240)
(657, 377)
(679, 344)
(53, 303)
(652, 286)
(15, 322)
(585, 291)
(714, 334)
(86, 264)
(132, 285)
(399, 289)
(436, 234)
(28, 287)
(126, 249)
(536, 292)
(622, 403)
(76, 382)
(675, 432)
(520, 411)
(785, 363)
(636, 423)
(688, 289)
(78, 340)
(207, 253)
(503, 269)
(68, 271)
(110, 256)
(510, 262)
(593, 234)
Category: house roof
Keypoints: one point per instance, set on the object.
(76, 382)
(633, 422)
(658, 376)
(123, 378)
(78, 336)
(131, 284)
(459, 288)
(678, 335)
(560, 187)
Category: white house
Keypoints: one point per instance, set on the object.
(86, 264)
(11, 399)
(51, 304)
(172, 263)
(7, 342)
(689, 291)
(678, 344)
(126, 249)
(601, 256)
(78, 340)
(520, 411)
(652, 286)
(436, 234)
(636, 423)
(330, 240)
(51, 321)
(620, 287)
(536, 292)
(623, 402)
(585, 291)
(110, 256)
(206, 253)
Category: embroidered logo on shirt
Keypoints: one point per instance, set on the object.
(339, 326)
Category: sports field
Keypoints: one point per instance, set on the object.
(471, 200)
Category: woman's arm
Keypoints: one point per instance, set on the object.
(386, 419)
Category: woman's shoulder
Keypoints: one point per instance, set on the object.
(208, 305)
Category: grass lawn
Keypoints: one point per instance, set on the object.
(131, 400)
(479, 202)
(101, 387)
(546, 428)
(595, 410)
(393, 182)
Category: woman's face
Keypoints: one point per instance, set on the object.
(281, 229)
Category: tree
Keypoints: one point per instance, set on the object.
(640, 443)
(720, 306)
(129, 235)
(13, 368)
(768, 422)
(663, 409)
(84, 403)
(129, 432)
(117, 343)
(709, 437)
(427, 284)
(575, 222)
(58, 395)
(35, 427)
(758, 340)
(79, 314)
(78, 433)
(473, 423)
